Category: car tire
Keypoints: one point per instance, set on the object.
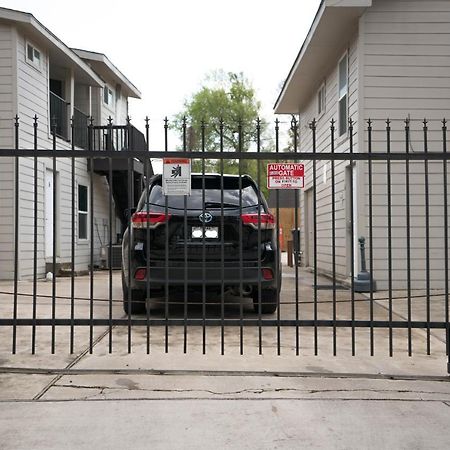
(137, 303)
(269, 301)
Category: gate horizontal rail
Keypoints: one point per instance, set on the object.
(261, 156)
(225, 322)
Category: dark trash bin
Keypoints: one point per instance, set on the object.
(296, 245)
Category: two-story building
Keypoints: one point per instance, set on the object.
(40, 76)
(378, 60)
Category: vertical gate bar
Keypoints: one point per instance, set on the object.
(54, 241)
(278, 263)
(448, 347)
(202, 127)
(352, 240)
(369, 138)
(408, 237)
(91, 256)
(185, 272)
(110, 254)
(72, 246)
(314, 149)
(147, 237)
(166, 256)
(427, 233)
(389, 230)
(222, 244)
(294, 128)
(333, 236)
(185, 291)
(444, 140)
(16, 231)
(130, 232)
(258, 177)
(241, 306)
(91, 162)
(35, 237)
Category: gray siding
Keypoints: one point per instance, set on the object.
(33, 94)
(323, 208)
(7, 111)
(406, 74)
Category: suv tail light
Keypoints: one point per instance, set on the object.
(265, 220)
(143, 219)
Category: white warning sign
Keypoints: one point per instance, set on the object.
(176, 176)
(285, 175)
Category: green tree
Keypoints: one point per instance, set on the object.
(223, 114)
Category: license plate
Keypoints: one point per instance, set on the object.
(210, 232)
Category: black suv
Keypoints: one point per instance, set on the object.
(222, 236)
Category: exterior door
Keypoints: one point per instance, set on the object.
(49, 213)
(309, 228)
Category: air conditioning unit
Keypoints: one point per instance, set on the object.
(116, 256)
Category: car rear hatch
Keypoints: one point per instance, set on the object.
(223, 219)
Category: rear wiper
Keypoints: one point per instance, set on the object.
(219, 205)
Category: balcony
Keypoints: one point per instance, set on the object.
(59, 116)
(80, 129)
(119, 138)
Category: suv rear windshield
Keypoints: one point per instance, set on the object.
(212, 196)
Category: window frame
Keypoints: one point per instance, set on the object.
(109, 98)
(321, 100)
(33, 62)
(83, 213)
(342, 95)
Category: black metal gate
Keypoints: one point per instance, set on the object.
(378, 193)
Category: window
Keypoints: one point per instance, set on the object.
(107, 96)
(82, 212)
(33, 56)
(321, 100)
(343, 95)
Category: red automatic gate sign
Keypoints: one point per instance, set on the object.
(285, 176)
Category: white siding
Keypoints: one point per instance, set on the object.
(6, 164)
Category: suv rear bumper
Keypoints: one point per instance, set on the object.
(200, 274)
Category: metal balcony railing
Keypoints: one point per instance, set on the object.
(59, 116)
(80, 129)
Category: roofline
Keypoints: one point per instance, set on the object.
(302, 49)
(29, 19)
(101, 57)
(349, 10)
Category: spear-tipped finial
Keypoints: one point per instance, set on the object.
(293, 122)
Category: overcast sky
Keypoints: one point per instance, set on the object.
(166, 47)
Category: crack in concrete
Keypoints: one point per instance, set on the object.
(251, 391)
(71, 364)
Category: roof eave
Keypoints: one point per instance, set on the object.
(330, 31)
(131, 89)
(28, 21)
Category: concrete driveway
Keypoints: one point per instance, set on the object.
(171, 399)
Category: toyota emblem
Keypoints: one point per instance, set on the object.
(205, 217)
